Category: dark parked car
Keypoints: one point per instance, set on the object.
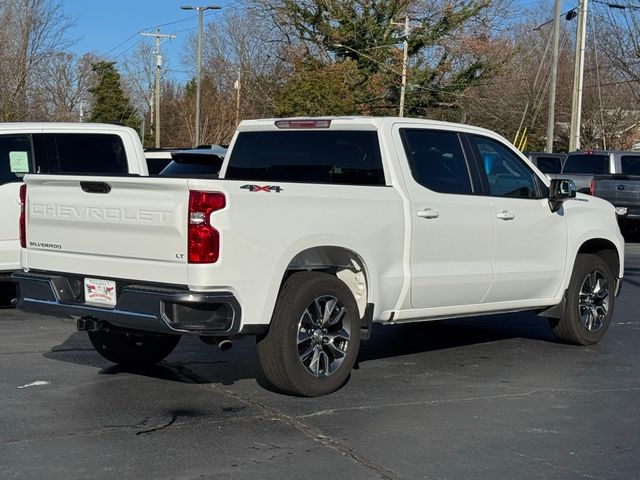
(548, 163)
(197, 161)
(582, 166)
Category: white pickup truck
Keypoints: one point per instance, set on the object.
(313, 230)
(55, 148)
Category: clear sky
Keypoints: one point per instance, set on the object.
(111, 26)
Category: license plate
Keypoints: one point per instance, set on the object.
(100, 292)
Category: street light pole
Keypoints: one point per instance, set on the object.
(554, 77)
(405, 55)
(578, 78)
(158, 38)
(200, 10)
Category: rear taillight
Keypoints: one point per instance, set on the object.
(592, 187)
(203, 240)
(23, 219)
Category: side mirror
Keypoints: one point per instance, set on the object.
(559, 191)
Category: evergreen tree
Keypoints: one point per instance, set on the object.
(109, 103)
(445, 48)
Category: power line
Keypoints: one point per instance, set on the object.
(617, 6)
(563, 14)
(121, 43)
(153, 27)
(621, 82)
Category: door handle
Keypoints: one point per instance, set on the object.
(506, 215)
(428, 213)
(95, 187)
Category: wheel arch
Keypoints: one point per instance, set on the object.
(342, 262)
(605, 249)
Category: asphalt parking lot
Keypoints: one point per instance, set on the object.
(489, 398)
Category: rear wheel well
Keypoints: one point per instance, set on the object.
(605, 250)
(343, 263)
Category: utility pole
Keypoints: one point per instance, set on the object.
(554, 77)
(237, 85)
(158, 39)
(405, 56)
(200, 10)
(578, 77)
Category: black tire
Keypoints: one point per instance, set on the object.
(133, 349)
(295, 330)
(7, 293)
(587, 317)
(629, 228)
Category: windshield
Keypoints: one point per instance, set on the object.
(586, 163)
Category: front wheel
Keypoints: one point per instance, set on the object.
(133, 349)
(589, 302)
(314, 336)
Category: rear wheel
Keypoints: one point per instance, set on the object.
(133, 349)
(589, 303)
(7, 293)
(314, 336)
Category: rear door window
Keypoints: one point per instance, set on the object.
(437, 160)
(16, 157)
(630, 164)
(587, 163)
(80, 153)
(337, 157)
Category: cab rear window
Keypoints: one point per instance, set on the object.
(336, 157)
(64, 153)
(549, 164)
(587, 163)
(80, 153)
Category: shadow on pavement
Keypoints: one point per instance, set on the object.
(195, 362)
(397, 340)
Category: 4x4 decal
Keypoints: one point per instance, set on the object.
(262, 188)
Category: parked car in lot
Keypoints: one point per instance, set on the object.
(61, 149)
(623, 191)
(314, 230)
(196, 162)
(547, 163)
(582, 166)
(157, 159)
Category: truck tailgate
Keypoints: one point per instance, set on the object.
(620, 190)
(105, 226)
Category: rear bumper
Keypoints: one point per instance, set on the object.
(139, 306)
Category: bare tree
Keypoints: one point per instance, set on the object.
(238, 45)
(517, 97)
(32, 32)
(61, 87)
(138, 70)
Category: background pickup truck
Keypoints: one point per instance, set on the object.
(582, 166)
(55, 148)
(314, 230)
(623, 191)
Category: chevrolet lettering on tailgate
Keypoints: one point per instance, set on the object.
(99, 214)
